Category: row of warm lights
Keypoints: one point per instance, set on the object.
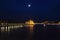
(9, 28)
(30, 24)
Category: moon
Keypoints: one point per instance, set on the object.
(29, 5)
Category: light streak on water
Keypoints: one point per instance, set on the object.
(9, 28)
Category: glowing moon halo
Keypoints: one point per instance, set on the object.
(29, 5)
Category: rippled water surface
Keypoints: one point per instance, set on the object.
(49, 32)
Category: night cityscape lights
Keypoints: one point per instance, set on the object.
(30, 24)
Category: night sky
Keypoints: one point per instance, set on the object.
(39, 10)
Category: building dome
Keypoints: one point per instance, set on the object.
(30, 24)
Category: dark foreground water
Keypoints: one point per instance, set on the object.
(49, 32)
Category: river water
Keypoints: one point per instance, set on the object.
(49, 32)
